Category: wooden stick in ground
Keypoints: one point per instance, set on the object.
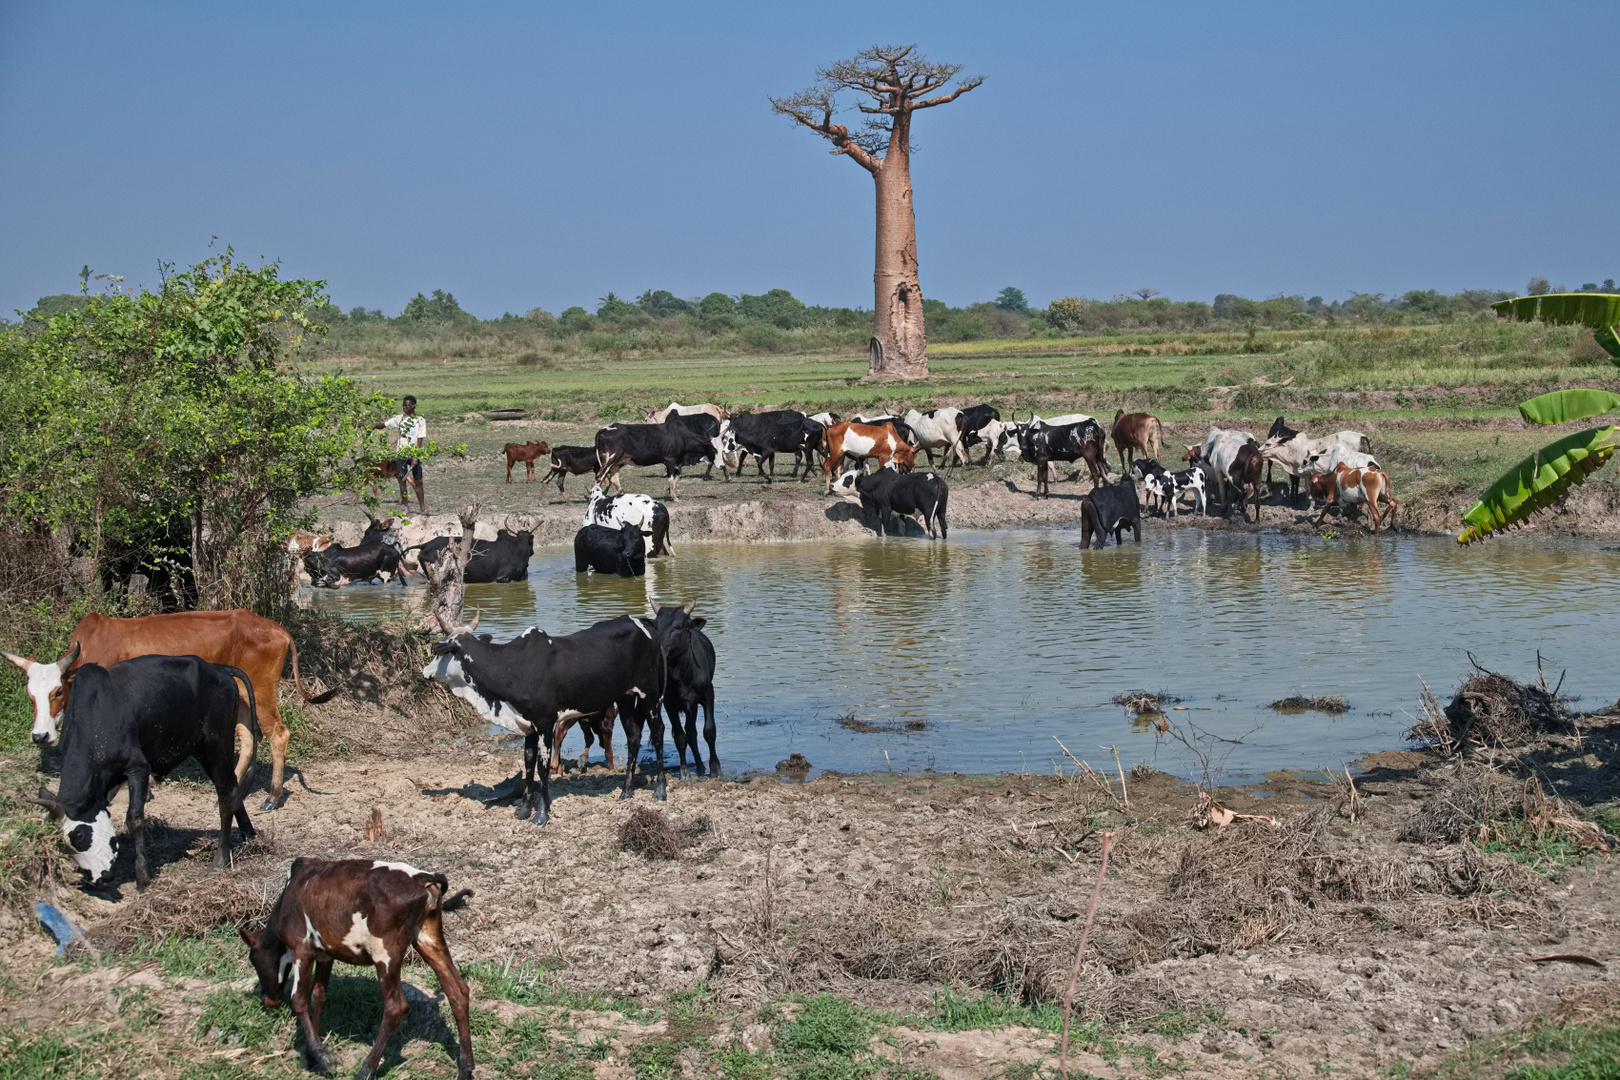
(1079, 953)
(1126, 795)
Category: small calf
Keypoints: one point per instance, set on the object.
(360, 912)
(569, 461)
(1244, 475)
(619, 551)
(1110, 508)
(528, 453)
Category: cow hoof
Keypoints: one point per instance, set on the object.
(522, 810)
(661, 789)
(271, 803)
(541, 815)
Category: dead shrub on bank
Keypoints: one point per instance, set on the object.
(1490, 710)
(186, 900)
(1482, 805)
(1142, 703)
(652, 835)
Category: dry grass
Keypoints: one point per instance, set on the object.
(1299, 703)
(1143, 703)
(854, 723)
(650, 834)
(1482, 805)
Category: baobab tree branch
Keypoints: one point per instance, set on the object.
(967, 84)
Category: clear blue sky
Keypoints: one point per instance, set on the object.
(540, 155)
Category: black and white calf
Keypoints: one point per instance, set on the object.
(690, 686)
(525, 685)
(133, 723)
(889, 491)
(643, 511)
(602, 550)
(1110, 508)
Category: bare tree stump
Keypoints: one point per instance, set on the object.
(447, 584)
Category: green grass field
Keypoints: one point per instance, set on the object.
(1470, 368)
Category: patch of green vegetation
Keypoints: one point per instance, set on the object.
(525, 983)
(41, 1055)
(218, 954)
(1550, 852)
(1606, 817)
(953, 1012)
(833, 1027)
(233, 1018)
(1544, 1051)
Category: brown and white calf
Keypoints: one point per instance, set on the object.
(1360, 487)
(865, 441)
(360, 912)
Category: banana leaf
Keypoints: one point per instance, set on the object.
(1539, 481)
(1564, 406)
(1600, 311)
(1597, 310)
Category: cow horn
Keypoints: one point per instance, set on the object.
(48, 801)
(690, 604)
(474, 624)
(444, 624)
(21, 661)
(65, 661)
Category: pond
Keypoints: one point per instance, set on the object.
(1002, 642)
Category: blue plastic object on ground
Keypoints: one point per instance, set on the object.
(61, 929)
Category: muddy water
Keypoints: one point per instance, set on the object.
(1001, 641)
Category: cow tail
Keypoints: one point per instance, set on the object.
(250, 749)
(313, 699)
(1155, 435)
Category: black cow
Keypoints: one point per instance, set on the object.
(690, 686)
(620, 551)
(669, 445)
(889, 491)
(360, 563)
(133, 723)
(970, 421)
(525, 685)
(1043, 444)
(1110, 508)
(764, 435)
(706, 426)
(501, 560)
(569, 461)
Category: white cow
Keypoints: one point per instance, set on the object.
(1220, 450)
(1292, 453)
(656, 416)
(932, 430)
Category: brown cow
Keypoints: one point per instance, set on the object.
(237, 638)
(598, 727)
(1134, 433)
(361, 912)
(864, 441)
(1360, 487)
(528, 453)
(1244, 475)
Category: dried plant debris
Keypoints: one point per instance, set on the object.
(1491, 710)
(187, 899)
(1296, 703)
(650, 834)
(795, 763)
(1483, 805)
(1143, 703)
(851, 722)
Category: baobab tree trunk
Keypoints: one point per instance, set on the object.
(899, 344)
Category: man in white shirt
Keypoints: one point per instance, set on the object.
(412, 431)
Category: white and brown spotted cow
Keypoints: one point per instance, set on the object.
(1360, 487)
(865, 441)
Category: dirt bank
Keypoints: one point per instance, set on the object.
(1323, 940)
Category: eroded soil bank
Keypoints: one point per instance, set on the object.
(1343, 937)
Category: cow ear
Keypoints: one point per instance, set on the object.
(698, 624)
(65, 661)
(247, 937)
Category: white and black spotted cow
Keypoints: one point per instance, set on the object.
(643, 511)
(527, 684)
(360, 912)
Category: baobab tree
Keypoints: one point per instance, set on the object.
(897, 80)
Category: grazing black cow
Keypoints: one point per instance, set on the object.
(360, 563)
(621, 551)
(690, 686)
(1110, 508)
(889, 491)
(360, 911)
(133, 723)
(525, 685)
(569, 461)
(707, 426)
(971, 421)
(1082, 441)
(502, 560)
(669, 445)
(764, 435)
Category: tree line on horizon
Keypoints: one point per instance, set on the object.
(776, 320)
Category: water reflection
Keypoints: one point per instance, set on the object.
(1002, 640)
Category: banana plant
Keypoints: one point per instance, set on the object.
(1545, 477)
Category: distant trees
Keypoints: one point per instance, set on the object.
(896, 81)
(1012, 299)
(440, 308)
